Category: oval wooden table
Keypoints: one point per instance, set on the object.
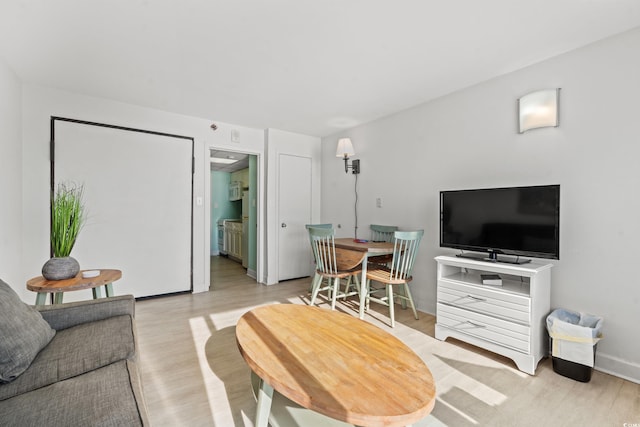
(334, 364)
(57, 287)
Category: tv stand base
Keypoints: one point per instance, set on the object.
(493, 257)
(509, 319)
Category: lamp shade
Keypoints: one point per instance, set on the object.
(345, 148)
(538, 109)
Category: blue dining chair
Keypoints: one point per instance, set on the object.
(405, 249)
(382, 233)
(324, 252)
(308, 226)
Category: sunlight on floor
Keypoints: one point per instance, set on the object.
(457, 411)
(473, 387)
(466, 387)
(205, 332)
(201, 334)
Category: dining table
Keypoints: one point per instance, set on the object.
(351, 253)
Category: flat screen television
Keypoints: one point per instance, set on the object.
(518, 221)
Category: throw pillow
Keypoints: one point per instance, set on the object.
(23, 333)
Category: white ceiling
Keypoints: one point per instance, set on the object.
(312, 67)
(242, 161)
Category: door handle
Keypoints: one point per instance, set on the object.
(283, 225)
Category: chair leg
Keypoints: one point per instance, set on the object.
(347, 285)
(403, 299)
(408, 293)
(334, 296)
(357, 280)
(351, 282)
(367, 284)
(315, 287)
(390, 301)
(329, 288)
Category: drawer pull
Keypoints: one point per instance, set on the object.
(475, 324)
(475, 298)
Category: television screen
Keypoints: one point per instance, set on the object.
(521, 221)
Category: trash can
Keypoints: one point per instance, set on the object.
(574, 339)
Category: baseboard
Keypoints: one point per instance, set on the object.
(617, 367)
(251, 273)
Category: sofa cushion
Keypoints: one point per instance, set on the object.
(23, 333)
(104, 397)
(74, 351)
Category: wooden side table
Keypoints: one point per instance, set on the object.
(57, 287)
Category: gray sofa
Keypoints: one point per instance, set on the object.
(72, 364)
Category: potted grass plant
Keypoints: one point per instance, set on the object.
(67, 218)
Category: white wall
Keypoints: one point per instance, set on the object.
(11, 180)
(39, 104)
(469, 140)
(281, 142)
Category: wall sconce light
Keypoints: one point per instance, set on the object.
(345, 149)
(538, 110)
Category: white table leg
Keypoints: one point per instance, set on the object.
(363, 285)
(265, 396)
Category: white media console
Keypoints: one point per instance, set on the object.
(509, 320)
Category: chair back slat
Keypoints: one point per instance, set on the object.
(324, 249)
(308, 226)
(405, 249)
(382, 233)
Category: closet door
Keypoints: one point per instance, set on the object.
(294, 212)
(138, 198)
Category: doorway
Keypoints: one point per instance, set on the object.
(234, 210)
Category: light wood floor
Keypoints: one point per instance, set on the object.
(193, 374)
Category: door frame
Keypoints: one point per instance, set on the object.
(283, 142)
(260, 210)
(52, 145)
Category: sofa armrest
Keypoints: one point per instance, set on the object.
(63, 316)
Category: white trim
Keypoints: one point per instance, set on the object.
(615, 366)
(261, 181)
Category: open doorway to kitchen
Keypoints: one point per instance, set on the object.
(234, 210)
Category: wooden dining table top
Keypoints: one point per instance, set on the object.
(350, 254)
(370, 247)
(336, 364)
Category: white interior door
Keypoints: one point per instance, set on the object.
(138, 196)
(294, 212)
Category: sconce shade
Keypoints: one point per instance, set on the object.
(345, 148)
(538, 109)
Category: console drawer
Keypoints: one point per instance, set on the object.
(488, 301)
(508, 334)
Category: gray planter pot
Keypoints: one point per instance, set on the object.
(60, 268)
